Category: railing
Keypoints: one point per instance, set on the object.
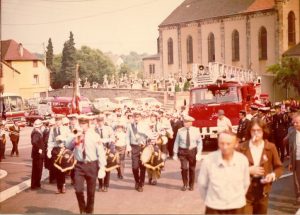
(221, 72)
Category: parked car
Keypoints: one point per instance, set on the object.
(33, 115)
(63, 105)
(103, 104)
(152, 102)
(123, 101)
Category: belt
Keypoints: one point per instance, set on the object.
(86, 162)
(187, 149)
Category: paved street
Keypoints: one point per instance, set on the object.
(165, 198)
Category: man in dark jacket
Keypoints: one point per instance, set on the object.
(37, 154)
(14, 138)
(243, 126)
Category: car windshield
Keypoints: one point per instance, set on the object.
(207, 96)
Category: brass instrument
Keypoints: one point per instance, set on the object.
(78, 134)
(11, 132)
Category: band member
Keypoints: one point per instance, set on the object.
(14, 135)
(54, 148)
(254, 111)
(73, 122)
(121, 146)
(90, 156)
(243, 126)
(106, 134)
(176, 124)
(37, 154)
(294, 142)
(2, 141)
(279, 126)
(224, 178)
(48, 161)
(136, 137)
(188, 148)
(265, 166)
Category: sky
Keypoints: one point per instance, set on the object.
(119, 26)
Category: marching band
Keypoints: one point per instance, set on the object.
(90, 147)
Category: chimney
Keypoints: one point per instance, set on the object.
(21, 50)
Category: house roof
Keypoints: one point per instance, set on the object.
(152, 57)
(293, 51)
(10, 51)
(193, 10)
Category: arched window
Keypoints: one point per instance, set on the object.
(235, 45)
(291, 29)
(211, 48)
(189, 49)
(170, 51)
(263, 43)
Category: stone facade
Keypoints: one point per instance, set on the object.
(248, 25)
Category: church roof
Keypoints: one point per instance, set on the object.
(192, 10)
(293, 51)
(10, 51)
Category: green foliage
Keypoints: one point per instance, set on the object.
(49, 55)
(134, 61)
(186, 86)
(287, 73)
(68, 61)
(177, 88)
(125, 69)
(94, 64)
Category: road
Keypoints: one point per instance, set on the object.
(164, 198)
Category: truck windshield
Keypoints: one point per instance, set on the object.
(12, 103)
(211, 96)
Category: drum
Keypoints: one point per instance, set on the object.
(152, 157)
(147, 153)
(112, 158)
(63, 158)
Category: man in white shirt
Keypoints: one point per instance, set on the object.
(224, 178)
(223, 123)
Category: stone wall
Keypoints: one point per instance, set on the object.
(111, 93)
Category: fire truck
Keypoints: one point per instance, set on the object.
(220, 86)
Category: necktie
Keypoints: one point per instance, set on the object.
(134, 128)
(188, 140)
(83, 148)
(101, 133)
(58, 131)
(156, 126)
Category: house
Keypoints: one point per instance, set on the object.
(33, 75)
(9, 78)
(152, 69)
(252, 34)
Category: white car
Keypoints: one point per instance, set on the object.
(103, 104)
(123, 101)
(152, 102)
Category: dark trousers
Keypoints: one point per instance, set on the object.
(209, 210)
(86, 172)
(170, 146)
(2, 151)
(15, 148)
(280, 147)
(296, 177)
(188, 165)
(121, 150)
(36, 173)
(60, 178)
(257, 200)
(138, 169)
(104, 181)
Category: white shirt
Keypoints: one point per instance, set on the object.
(297, 145)
(222, 185)
(223, 124)
(256, 152)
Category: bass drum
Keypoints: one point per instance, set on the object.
(147, 153)
(63, 159)
(112, 158)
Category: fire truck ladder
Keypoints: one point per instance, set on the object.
(215, 72)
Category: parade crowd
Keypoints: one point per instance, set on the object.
(235, 179)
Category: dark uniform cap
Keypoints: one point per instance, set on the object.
(254, 107)
(243, 111)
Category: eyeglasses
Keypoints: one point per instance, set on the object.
(257, 130)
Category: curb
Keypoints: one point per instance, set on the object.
(3, 173)
(10, 192)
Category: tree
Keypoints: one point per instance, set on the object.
(68, 61)
(287, 73)
(124, 69)
(49, 55)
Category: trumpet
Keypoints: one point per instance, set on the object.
(78, 135)
(11, 132)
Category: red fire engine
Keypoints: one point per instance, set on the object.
(220, 86)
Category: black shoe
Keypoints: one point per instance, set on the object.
(191, 188)
(154, 182)
(105, 189)
(120, 176)
(184, 188)
(150, 181)
(140, 189)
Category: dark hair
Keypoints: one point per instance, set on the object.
(260, 123)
